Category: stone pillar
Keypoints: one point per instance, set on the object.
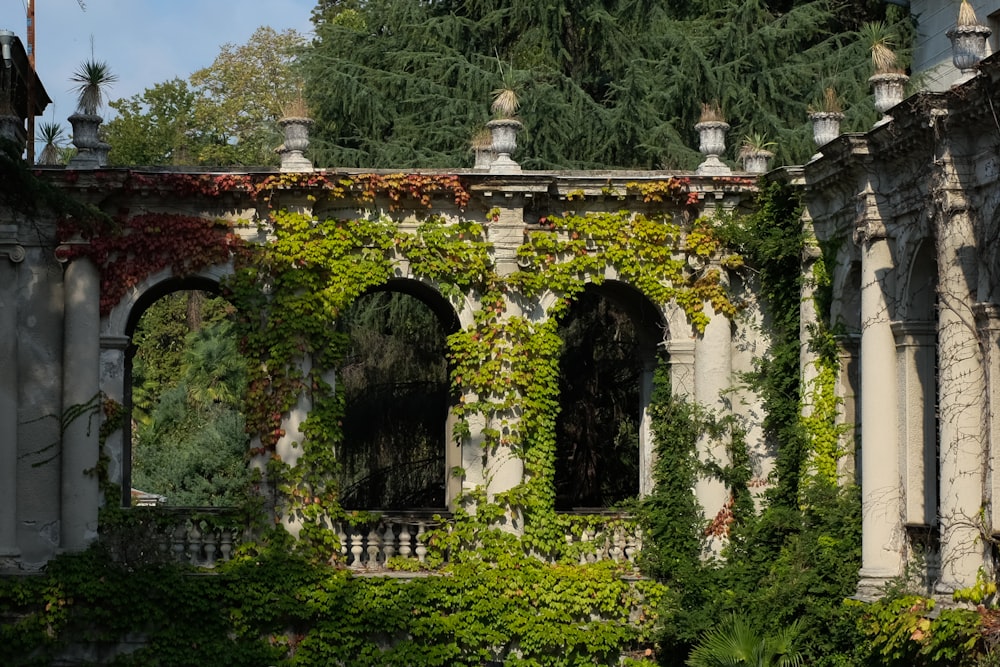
(713, 376)
(961, 409)
(680, 358)
(848, 356)
(81, 404)
(8, 390)
(882, 537)
(915, 346)
(647, 448)
(988, 324)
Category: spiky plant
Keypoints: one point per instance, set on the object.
(91, 81)
(755, 144)
(829, 103)
(881, 41)
(482, 140)
(51, 135)
(967, 14)
(711, 113)
(506, 100)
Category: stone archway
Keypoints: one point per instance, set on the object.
(611, 336)
(395, 453)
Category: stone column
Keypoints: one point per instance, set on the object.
(8, 390)
(647, 448)
(915, 345)
(961, 409)
(81, 404)
(882, 537)
(848, 355)
(988, 324)
(713, 375)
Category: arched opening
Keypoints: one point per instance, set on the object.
(610, 337)
(185, 437)
(395, 452)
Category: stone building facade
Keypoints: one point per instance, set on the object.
(905, 219)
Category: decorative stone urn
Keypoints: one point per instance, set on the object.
(888, 88)
(504, 132)
(91, 152)
(968, 47)
(757, 161)
(712, 144)
(484, 157)
(296, 130)
(826, 127)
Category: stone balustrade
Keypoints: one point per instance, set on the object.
(618, 540)
(205, 537)
(201, 537)
(369, 546)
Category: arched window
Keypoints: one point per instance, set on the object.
(395, 452)
(186, 442)
(610, 335)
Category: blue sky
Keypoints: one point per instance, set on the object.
(144, 41)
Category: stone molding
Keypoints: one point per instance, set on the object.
(9, 245)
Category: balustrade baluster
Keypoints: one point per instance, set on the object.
(211, 539)
(618, 544)
(585, 537)
(373, 549)
(226, 544)
(179, 545)
(405, 541)
(421, 547)
(194, 544)
(356, 549)
(342, 538)
(388, 541)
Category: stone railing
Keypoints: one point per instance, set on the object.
(368, 546)
(617, 537)
(204, 537)
(192, 535)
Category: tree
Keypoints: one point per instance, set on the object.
(225, 114)
(156, 127)
(615, 83)
(243, 93)
(51, 135)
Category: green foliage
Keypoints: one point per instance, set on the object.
(267, 607)
(192, 447)
(224, 114)
(735, 644)
(605, 84)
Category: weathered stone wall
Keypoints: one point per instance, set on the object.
(64, 351)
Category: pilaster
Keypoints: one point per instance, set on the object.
(915, 356)
(81, 404)
(988, 325)
(15, 254)
(713, 376)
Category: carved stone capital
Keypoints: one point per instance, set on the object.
(868, 223)
(987, 316)
(867, 230)
(9, 245)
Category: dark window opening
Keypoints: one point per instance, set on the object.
(395, 385)
(609, 338)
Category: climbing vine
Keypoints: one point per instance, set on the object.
(504, 373)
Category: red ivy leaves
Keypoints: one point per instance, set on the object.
(151, 242)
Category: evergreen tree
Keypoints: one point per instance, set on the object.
(603, 83)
